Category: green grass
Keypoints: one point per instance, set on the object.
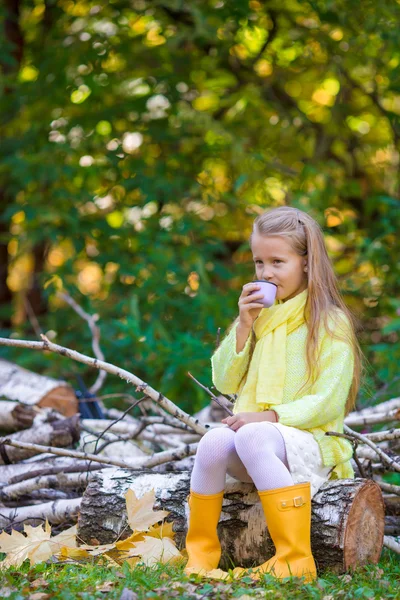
(70, 581)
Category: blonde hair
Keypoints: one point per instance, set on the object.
(324, 299)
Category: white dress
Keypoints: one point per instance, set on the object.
(304, 457)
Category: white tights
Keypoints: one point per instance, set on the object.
(254, 453)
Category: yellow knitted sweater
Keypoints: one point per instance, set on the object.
(320, 408)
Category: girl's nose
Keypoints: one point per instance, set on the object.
(267, 276)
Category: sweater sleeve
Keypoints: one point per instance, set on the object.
(228, 366)
(331, 389)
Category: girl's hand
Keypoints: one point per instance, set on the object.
(235, 422)
(249, 305)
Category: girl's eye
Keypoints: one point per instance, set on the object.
(259, 262)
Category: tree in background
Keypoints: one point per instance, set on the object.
(139, 141)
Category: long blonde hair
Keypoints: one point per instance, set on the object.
(306, 239)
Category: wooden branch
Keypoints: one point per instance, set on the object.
(136, 463)
(95, 330)
(54, 512)
(104, 431)
(383, 436)
(389, 487)
(38, 449)
(114, 370)
(213, 396)
(382, 407)
(60, 481)
(49, 466)
(385, 458)
(355, 420)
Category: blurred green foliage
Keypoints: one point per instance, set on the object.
(139, 141)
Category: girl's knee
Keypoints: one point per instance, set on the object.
(216, 445)
(248, 434)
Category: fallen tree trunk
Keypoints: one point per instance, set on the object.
(347, 517)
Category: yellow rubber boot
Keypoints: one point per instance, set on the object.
(288, 514)
(202, 543)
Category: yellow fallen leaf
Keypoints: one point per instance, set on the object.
(65, 538)
(132, 562)
(18, 547)
(74, 553)
(153, 550)
(37, 544)
(39, 596)
(97, 550)
(130, 541)
(140, 511)
(111, 562)
(161, 531)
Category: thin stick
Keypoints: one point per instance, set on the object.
(389, 487)
(354, 443)
(140, 428)
(114, 370)
(95, 330)
(158, 458)
(213, 396)
(61, 452)
(393, 464)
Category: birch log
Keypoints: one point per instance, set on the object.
(58, 481)
(10, 474)
(55, 512)
(15, 416)
(24, 386)
(61, 433)
(347, 517)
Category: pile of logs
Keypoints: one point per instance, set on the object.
(64, 468)
(55, 465)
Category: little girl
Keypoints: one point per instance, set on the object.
(295, 368)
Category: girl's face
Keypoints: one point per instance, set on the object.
(275, 261)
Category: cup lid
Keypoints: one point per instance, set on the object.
(263, 281)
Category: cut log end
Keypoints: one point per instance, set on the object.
(364, 533)
(62, 399)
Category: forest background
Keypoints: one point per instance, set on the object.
(140, 139)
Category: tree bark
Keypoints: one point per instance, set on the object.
(347, 517)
